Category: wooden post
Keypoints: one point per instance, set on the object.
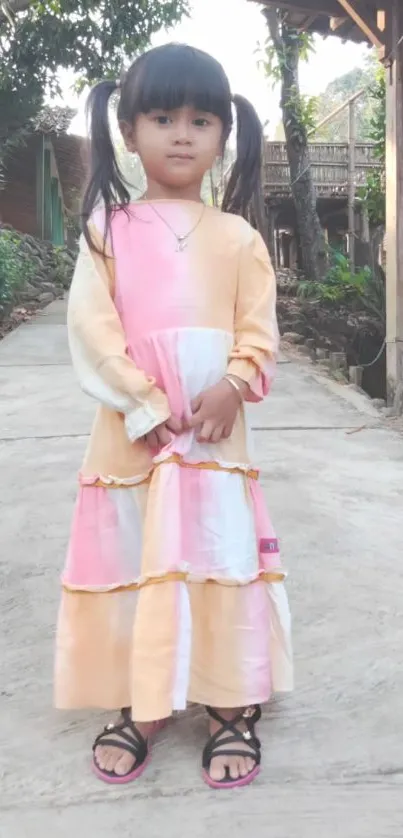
(293, 254)
(394, 212)
(337, 111)
(40, 187)
(364, 20)
(47, 196)
(271, 232)
(351, 183)
(285, 250)
(365, 231)
(277, 254)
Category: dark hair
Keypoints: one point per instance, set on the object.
(167, 78)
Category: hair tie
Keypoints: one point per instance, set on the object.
(118, 84)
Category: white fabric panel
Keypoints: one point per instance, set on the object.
(130, 532)
(217, 539)
(202, 358)
(202, 361)
(183, 648)
(281, 656)
(227, 528)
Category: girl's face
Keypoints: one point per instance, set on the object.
(176, 148)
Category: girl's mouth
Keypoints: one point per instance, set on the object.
(179, 156)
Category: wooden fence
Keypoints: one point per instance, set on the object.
(329, 162)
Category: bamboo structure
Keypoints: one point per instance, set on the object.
(351, 183)
(379, 23)
(329, 165)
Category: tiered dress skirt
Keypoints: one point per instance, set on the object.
(173, 587)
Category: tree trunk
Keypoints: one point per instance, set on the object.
(311, 237)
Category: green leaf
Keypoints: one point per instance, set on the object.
(342, 286)
(91, 37)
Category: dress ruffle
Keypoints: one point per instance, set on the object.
(157, 648)
(190, 524)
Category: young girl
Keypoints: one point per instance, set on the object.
(173, 589)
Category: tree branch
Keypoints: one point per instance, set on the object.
(272, 21)
(9, 8)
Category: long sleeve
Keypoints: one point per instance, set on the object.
(253, 357)
(98, 349)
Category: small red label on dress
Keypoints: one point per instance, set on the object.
(269, 545)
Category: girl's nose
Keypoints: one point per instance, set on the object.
(183, 133)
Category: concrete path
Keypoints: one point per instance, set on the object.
(333, 763)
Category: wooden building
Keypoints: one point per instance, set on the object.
(330, 164)
(44, 178)
(380, 23)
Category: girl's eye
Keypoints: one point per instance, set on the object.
(162, 120)
(201, 122)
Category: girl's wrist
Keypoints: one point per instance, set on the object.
(238, 385)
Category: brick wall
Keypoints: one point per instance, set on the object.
(18, 199)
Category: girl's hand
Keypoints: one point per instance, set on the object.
(215, 410)
(162, 434)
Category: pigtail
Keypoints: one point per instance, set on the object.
(243, 195)
(106, 182)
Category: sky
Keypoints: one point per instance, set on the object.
(231, 31)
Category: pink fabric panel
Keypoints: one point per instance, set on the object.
(254, 642)
(208, 524)
(269, 551)
(93, 554)
(183, 363)
(105, 544)
(154, 288)
(158, 356)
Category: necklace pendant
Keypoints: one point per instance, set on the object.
(181, 241)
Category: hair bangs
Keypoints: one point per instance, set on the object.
(175, 76)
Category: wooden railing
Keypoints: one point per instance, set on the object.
(329, 163)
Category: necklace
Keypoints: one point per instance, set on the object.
(181, 240)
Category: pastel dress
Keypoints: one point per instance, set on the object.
(173, 590)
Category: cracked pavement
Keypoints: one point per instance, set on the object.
(333, 765)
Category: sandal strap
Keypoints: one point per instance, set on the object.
(133, 749)
(214, 714)
(251, 748)
(217, 742)
(253, 714)
(250, 717)
(252, 741)
(132, 742)
(238, 753)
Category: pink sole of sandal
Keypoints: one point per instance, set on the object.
(232, 784)
(137, 772)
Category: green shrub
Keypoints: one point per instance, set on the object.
(344, 287)
(15, 267)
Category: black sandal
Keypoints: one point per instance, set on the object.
(132, 742)
(214, 747)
